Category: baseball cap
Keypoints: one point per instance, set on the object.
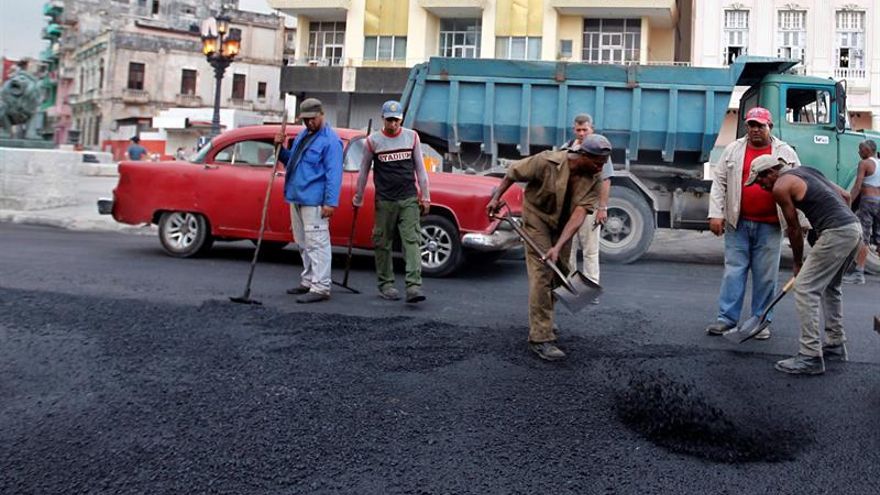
(594, 144)
(391, 109)
(762, 164)
(759, 114)
(310, 107)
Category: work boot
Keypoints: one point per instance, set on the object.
(802, 365)
(836, 352)
(547, 351)
(856, 278)
(298, 291)
(718, 328)
(414, 294)
(763, 334)
(312, 297)
(389, 293)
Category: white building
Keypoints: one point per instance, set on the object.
(834, 38)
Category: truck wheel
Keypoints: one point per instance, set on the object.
(629, 230)
(184, 234)
(441, 246)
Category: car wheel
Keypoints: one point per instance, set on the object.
(184, 234)
(629, 230)
(440, 247)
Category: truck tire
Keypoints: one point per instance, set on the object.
(629, 230)
(441, 246)
(184, 234)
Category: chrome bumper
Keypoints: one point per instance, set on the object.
(105, 206)
(500, 240)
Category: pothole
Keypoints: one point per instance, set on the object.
(674, 416)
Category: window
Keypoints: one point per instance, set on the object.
(136, 75)
(238, 81)
(850, 50)
(385, 48)
(247, 153)
(791, 34)
(155, 9)
(261, 90)
(612, 41)
(290, 40)
(460, 37)
(807, 106)
(101, 75)
(188, 82)
(326, 40)
(736, 34)
(518, 47)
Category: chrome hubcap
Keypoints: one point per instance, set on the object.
(436, 246)
(182, 230)
(618, 226)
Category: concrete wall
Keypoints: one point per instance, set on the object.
(37, 179)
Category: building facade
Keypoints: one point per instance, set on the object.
(125, 61)
(354, 54)
(839, 39)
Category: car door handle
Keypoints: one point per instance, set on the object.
(279, 174)
(211, 167)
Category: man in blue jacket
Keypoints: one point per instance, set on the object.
(313, 177)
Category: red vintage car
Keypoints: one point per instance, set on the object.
(219, 196)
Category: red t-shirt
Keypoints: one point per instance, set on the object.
(757, 204)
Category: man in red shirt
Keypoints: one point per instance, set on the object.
(748, 218)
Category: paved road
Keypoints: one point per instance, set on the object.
(125, 371)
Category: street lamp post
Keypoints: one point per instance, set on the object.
(220, 45)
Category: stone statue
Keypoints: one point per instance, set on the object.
(20, 99)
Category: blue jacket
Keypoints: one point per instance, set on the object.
(317, 177)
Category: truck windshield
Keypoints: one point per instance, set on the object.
(807, 106)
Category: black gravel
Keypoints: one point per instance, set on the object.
(102, 395)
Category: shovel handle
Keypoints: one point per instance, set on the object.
(531, 242)
(787, 287)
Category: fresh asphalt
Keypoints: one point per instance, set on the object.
(123, 370)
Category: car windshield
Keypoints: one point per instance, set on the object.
(354, 154)
(200, 156)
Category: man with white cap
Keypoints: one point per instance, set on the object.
(562, 187)
(395, 155)
(749, 220)
(826, 206)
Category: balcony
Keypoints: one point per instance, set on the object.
(319, 10)
(453, 8)
(136, 96)
(53, 8)
(240, 104)
(661, 13)
(315, 62)
(183, 100)
(850, 74)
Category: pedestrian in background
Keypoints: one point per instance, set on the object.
(312, 180)
(826, 206)
(562, 188)
(588, 235)
(401, 183)
(748, 218)
(867, 189)
(135, 151)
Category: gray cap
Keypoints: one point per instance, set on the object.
(310, 107)
(594, 144)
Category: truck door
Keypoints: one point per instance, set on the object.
(809, 125)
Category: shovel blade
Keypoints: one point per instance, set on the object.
(747, 330)
(578, 293)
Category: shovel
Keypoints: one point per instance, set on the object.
(755, 324)
(576, 291)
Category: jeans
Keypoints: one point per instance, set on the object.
(312, 234)
(755, 247)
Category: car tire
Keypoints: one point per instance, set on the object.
(440, 246)
(184, 234)
(629, 230)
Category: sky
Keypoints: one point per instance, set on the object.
(22, 20)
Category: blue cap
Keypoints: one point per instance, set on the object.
(595, 144)
(391, 109)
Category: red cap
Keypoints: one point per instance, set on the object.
(759, 114)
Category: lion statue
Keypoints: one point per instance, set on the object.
(20, 98)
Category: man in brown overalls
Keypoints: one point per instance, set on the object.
(561, 188)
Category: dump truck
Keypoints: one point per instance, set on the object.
(663, 122)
